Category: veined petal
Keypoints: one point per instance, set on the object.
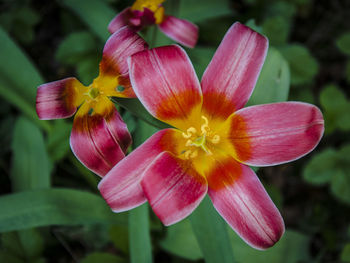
(230, 77)
(59, 99)
(275, 133)
(121, 186)
(120, 20)
(164, 80)
(182, 31)
(99, 141)
(242, 201)
(118, 48)
(173, 188)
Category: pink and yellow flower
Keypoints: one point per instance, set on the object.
(99, 137)
(149, 12)
(214, 140)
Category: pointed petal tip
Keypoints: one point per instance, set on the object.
(119, 21)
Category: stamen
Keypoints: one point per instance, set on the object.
(189, 143)
(187, 154)
(205, 126)
(190, 132)
(215, 139)
(194, 154)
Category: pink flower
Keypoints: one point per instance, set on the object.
(214, 139)
(149, 12)
(99, 137)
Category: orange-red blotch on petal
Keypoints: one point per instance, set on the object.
(224, 173)
(59, 99)
(215, 104)
(238, 138)
(178, 107)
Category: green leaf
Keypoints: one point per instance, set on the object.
(303, 65)
(335, 105)
(180, 241)
(343, 43)
(120, 237)
(340, 184)
(200, 57)
(345, 254)
(292, 248)
(75, 47)
(320, 169)
(54, 207)
(194, 12)
(139, 235)
(211, 233)
(98, 257)
(276, 28)
(30, 161)
(273, 82)
(137, 109)
(58, 140)
(19, 78)
(347, 71)
(95, 14)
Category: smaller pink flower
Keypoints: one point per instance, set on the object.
(99, 137)
(149, 12)
(214, 139)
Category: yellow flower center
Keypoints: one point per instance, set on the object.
(199, 139)
(93, 93)
(154, 5)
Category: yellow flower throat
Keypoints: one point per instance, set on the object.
(154, 5)
(199, 140)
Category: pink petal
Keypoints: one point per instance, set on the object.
(173, 188)
(182, 31)
(230, 77)
(58, 99)
(164, 80)
(121, 186)
(99, 142)
(120, 20)
(118, 48)
(242, 201)
(275, 133)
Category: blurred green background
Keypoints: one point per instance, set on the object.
(50, 209)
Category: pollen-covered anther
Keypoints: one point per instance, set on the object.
(190, 131)
(215, 139)
(205, 127)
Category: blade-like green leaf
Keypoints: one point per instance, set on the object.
(136, 108)
(273, 82)
(194, 12)
(95, 14)
(181, 241)
(18, 78)
(30, 161)
(211, 233)
(54, 207)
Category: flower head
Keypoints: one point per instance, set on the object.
(214, 139)
(99, 136)
(149, 12)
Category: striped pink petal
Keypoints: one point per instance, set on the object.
(120, 20)
(275, 133)
(121, 45)
(180, 30)
(173, 188)
(230, 77)
(58, 99)
(99, 142)
(121, 186)
(164, 80)
(242, 201)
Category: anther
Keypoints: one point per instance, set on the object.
(215, 139)
(190, 132)
(205, 126)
